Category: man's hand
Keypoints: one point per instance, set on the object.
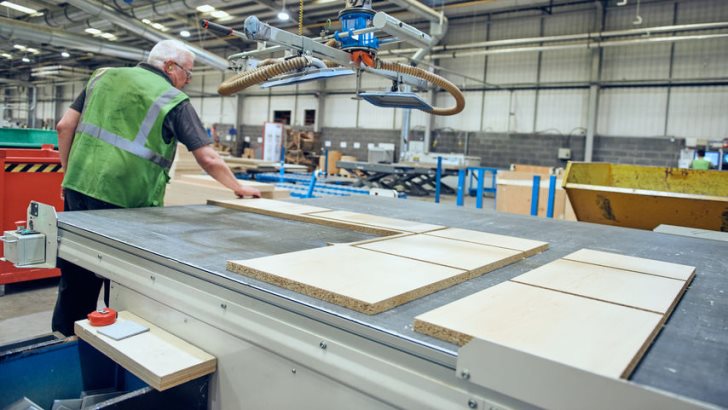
(244, 191)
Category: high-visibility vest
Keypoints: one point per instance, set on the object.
(118, 154)
(700, 163)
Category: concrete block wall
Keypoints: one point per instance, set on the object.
(640, 151)
(499, 150)
(502, 149)
(357, 140)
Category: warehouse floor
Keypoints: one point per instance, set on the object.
(26, 308)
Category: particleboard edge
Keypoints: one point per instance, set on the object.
(345, 301)
(160, 383)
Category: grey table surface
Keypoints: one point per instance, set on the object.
(689, 357)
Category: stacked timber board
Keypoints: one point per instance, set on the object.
(197, 189)
(592, 310)
(413, 260)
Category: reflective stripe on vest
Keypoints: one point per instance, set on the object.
(136, 147)
(124, 144)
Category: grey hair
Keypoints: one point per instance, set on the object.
(166, 50)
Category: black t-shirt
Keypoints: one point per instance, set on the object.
(182, 122)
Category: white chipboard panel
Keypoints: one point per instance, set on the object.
(562, 111)
(632, 112)
(698, 112)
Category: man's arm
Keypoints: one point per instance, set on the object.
(66, 128)
(211, 162)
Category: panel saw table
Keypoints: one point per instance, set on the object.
(278, 348)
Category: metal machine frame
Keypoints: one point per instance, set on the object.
(275, 348)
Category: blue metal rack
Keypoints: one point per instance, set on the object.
(480, 189)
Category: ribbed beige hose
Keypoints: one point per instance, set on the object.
(246, 79)
(433, 78)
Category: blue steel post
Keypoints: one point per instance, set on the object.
(461, 185)
(311, 185)
(481, 182)
(534, 195)
(326, 162)
(438, 175)
(283, 161)
(552, 194)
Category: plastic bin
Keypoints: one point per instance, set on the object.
(27, 137)
(48, 370)
(644, 197)
(27, 175)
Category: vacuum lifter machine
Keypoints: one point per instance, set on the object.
(350, 50)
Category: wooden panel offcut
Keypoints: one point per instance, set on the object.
(629, 288)
(597, 336)
(375, 221)
(473, 257)
(359, 279)
(649, 266)
(159, 358)
(527, 246)
(279, 209)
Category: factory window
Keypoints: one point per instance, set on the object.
(282, 117)
(309, 117)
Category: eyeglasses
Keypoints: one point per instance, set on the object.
(187, 72)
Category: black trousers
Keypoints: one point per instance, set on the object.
(79, 288)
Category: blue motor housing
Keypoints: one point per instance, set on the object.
(352, 19)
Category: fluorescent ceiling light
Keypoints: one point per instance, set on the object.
(65, 54)
(228, 18)
(26, 59)
(184, 33)
(107, 35)
(158, 26)
(32, 50)
(19, 47)
(146, 21)
(6, 55)
(93, 31)
(205, 8)
(14, 6)
(219, 14)
(283, 15)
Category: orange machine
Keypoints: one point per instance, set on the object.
(28, 174)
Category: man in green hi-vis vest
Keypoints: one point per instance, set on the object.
(117, 142)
